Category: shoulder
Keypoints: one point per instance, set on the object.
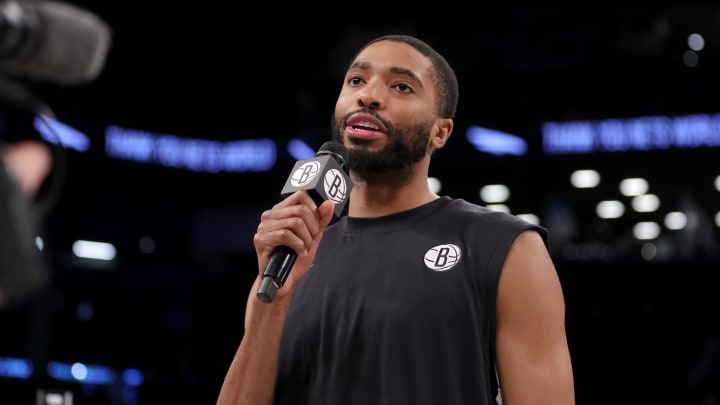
(469, 213)
(528, 268)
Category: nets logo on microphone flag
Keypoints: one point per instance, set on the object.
(334, 183)
(323, 178)
(304, 174)
(335, 186)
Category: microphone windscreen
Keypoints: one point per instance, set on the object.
(66, 45)
(337, 150)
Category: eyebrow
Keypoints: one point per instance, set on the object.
(394, 69)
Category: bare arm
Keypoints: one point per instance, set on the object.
(533, 357)
(251, 376)
(295, 222)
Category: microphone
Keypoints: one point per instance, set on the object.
(52, 41)
(324, 177)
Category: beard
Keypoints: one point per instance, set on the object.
(406, 146)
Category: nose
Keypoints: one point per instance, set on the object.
(370, 97)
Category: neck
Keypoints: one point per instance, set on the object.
(378, 195)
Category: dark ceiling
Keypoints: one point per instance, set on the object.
(221, 73)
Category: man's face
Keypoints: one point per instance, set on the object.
(386, 110)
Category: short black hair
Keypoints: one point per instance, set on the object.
(444, 76)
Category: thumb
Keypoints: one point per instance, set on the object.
(302, 265)
(326, 210)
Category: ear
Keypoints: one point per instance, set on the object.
(442, 130)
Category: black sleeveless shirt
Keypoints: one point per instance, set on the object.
(399, 310)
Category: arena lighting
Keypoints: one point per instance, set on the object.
(690, 58)
(585, 178)
(60, 133)
(133, 377)
(499, 207)
(675, 220)
(648, 251)
(201, 155)
(170, 150)
(641, 133)
(299, 150)
(495, 193)
(696, 42)
(85, 311)
(80, 372)
(435, 184)
(495, 142)
(645, 203)
(610, 209)
(147, 244)
(93, 250)
(532, 218)
(12, 367)
(633, 186)
(646, 230)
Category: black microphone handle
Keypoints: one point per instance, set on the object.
(276, 272)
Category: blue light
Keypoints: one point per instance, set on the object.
(59, 371)
(192, 154)
(299, 150)
(85, 311)
(84, 373)
(79, 371)
(133, 377)
(495, 142)
(569, 137)
(639, 133)
(15, 368)
(57, 132)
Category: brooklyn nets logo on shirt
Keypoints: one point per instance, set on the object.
(442, 257)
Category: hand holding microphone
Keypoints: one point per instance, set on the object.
(324, 177)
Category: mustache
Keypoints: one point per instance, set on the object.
(389, 126)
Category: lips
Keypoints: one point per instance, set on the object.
(365, 126)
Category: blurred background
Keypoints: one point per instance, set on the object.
(600, 122)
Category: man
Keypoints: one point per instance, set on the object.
(412, 298)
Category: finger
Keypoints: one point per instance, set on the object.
(291, 223)
(302, 265)
(302, 222)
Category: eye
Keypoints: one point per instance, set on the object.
(355, 81)
(403, 88)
